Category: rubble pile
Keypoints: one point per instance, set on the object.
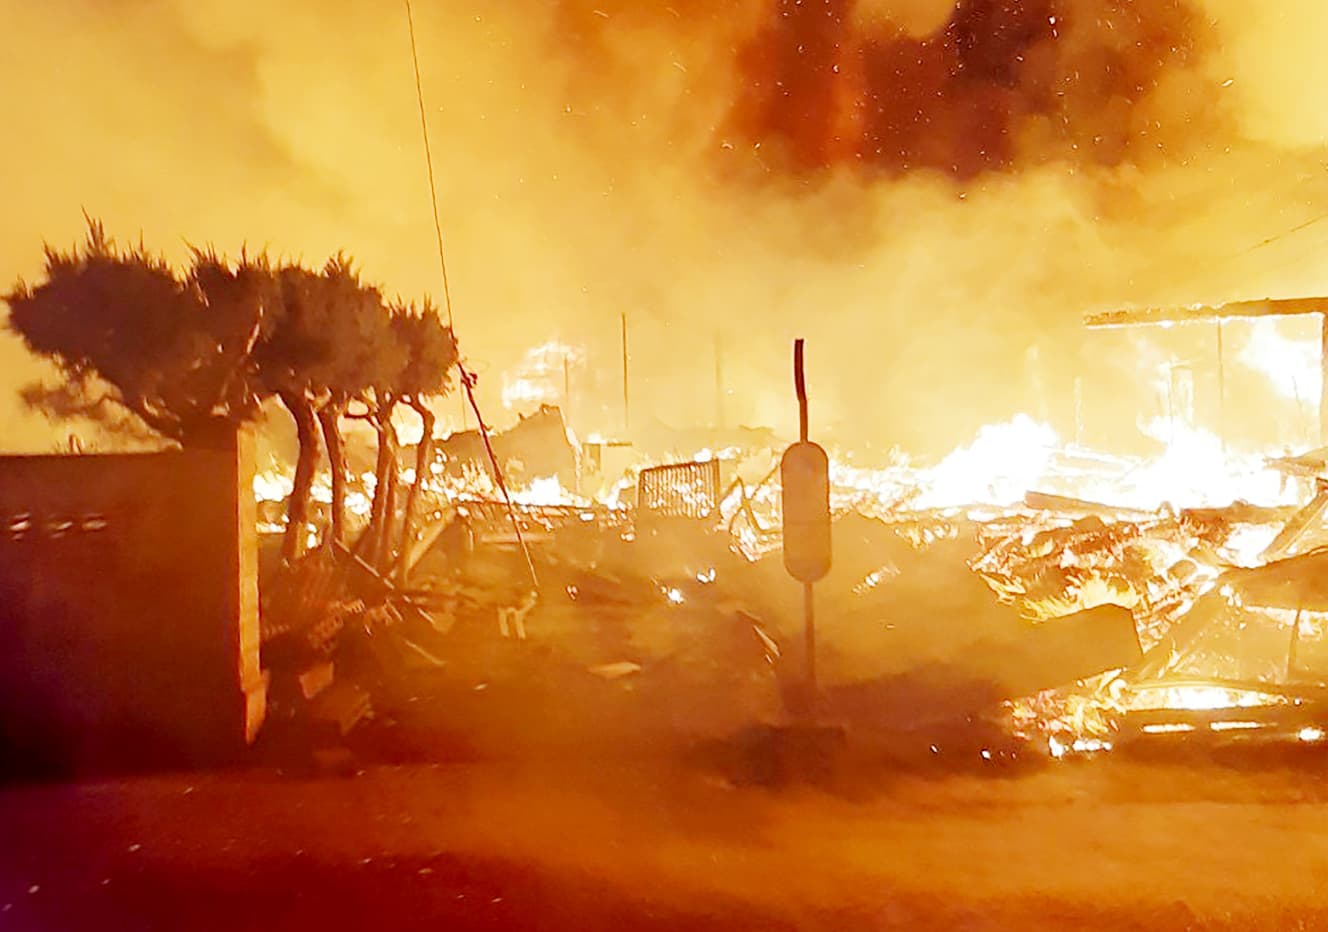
(1062, 622)
(1220, 636)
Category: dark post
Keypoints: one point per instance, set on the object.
(567, 411)
(1079, 411)
(567, 388)
(808, 599)
(719, 383)
(627, 411)
(800, 386)
(809, 637)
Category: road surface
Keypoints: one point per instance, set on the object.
(617, 843)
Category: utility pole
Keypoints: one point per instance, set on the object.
(627, 409)
(1079, 412)
(719, 382)
(567, 389)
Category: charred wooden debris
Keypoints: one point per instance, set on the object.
(1056, 624)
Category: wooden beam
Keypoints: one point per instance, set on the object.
(1200, 313)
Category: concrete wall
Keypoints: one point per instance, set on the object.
(129, 608)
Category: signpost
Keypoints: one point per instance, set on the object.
(805, 480)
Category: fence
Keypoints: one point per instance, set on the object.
(680, 490)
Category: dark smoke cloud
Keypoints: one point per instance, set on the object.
(994, 85)
(1001, 85)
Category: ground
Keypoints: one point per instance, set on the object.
(516, 788)
(565, 844)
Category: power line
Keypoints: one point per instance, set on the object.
(428, 164)
(1284, 234)
(467, 378)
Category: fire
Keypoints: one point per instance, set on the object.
(546, 490)
(1195, 469)
(1003, 463)
(540, 376)
(1247, 542)
(1291, 366)
(272, 486)
(1202, 698)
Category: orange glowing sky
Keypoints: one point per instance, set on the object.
(930, 195)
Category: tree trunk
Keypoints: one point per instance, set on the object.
(297, 513)
(389, 482)
(329, 418)
(423, 458)
(389, 516)
(370, 545)
(364, 547)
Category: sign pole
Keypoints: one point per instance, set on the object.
(809, 629)
(808, 596)
(800, 386)
(804, 474)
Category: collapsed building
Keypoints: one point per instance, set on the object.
(1056, 597)
(1021, 587)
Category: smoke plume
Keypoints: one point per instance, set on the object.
(932, 193)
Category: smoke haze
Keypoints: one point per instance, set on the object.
(931, 193)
